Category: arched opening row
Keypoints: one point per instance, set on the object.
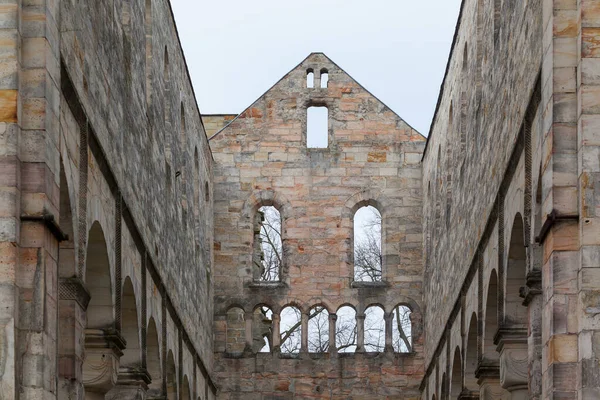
(318, 331)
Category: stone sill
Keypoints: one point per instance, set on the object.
(319, 356)
(369, 285)
(266, 285)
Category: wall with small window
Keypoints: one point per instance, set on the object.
(317, 199)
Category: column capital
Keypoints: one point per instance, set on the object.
(74, 289)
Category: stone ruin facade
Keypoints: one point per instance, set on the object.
(151, 252)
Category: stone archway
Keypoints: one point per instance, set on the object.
(103, 344)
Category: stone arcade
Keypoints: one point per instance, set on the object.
(135, 232)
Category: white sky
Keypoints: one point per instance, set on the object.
(397, 49)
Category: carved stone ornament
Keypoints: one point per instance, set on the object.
(513, 367)
(74, 289)
(103, 348)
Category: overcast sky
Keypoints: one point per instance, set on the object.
(397, 49)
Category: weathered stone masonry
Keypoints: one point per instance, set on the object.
(261, 158)
(115, 282)
(508, 177)
(106, 228)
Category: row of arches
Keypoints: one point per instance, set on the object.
(105, 330)
(317, 330)
(268, 251)
(491, 354)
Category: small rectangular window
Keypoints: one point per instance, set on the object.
(317, 121)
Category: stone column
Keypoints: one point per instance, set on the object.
(389, 321)
(332, 342)
(276, 339)
(490, 388)
(132, 384)
(103, 348)
(514, 361)
(73, 301)
(360, 333)
(304, 332)
(248, 316)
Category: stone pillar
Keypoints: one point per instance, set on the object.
(73, 302)
(276, 339)
(514, 361)
(490, 388)
(332, 342)
(132, 384)
(103, 348)
(360, 333)
(567, 185)
(389, 322)
(304, 332)
(248, 316)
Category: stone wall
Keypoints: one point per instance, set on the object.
(510, 243)
(486, 91)
(372, 158)
(107, 223)
(213, 123)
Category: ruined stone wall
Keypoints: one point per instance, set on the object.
(487, 89)
(215, 122)
(108, 215)
(131, 79)
(261, 158)
(510, 237)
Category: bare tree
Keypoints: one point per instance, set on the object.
(367, 245)
(402, 335)
(367, 267)
(271, 247)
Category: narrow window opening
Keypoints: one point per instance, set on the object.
(291, 333)
(310, 79)
(318, 330)
(206, 192)
(236, 330)
(374, 330)
(402, 330)
(324, 78)
(345, 330)
(268, 244)
(262, 326)
(317, 121)
(367, 245)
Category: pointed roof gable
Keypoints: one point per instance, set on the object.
(312, 61)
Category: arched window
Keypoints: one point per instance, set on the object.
(236, 330)
(374, 329)
(268, 246)
(290, 327)
(310, 78)
(262, 329)
(324, 78)
(401, 330)
(367, 245)
(345, 330)
(318, 330)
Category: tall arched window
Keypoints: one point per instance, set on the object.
(268, 246)
(367, 245)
